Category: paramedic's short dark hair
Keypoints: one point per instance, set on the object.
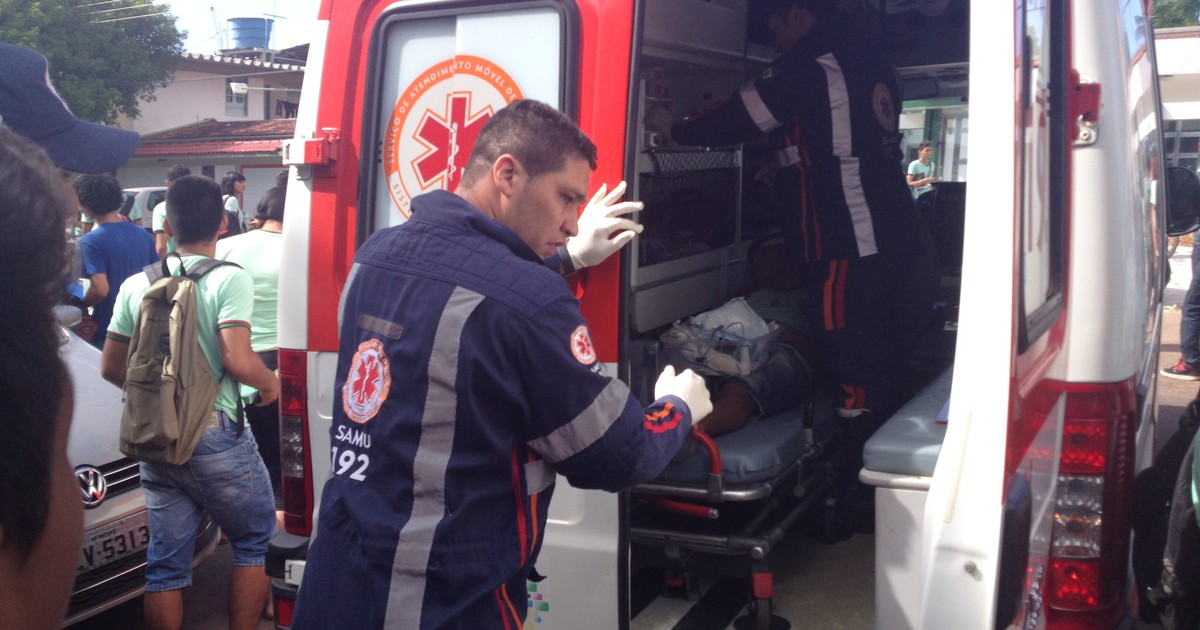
(34, 204)
(537, 135)
(99, 193)
(270, 207)
(194, 209)
(177, 171)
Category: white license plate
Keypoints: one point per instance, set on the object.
(114, 541)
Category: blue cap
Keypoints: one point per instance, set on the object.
(30, 106)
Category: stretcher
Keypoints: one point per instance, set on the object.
(739, 494)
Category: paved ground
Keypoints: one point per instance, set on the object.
(1173, 394)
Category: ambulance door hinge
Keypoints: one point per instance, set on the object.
(1084, 106)
(315, 150)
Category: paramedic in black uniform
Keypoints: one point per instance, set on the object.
(829, 106)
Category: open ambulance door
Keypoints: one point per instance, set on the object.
(990, 510)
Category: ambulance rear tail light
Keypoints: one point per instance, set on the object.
(1089, 549)
(294, 448)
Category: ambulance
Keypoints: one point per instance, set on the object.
(1004, 487)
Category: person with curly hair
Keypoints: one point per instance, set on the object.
(112, 251)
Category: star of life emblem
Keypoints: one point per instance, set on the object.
(434, 123)
(368, 382)
(581, 346)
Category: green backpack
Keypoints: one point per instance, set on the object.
(170, 390)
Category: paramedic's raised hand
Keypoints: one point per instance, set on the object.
(602, 229)
(688, 387)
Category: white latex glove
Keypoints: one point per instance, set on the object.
(600, 219)
(688, 387)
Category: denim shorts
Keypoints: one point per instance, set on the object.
(225, 477)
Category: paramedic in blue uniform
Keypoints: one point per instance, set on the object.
(466, 382)
(829, 107)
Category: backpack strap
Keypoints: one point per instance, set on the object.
(201, 268)
(156, 270)
(198, 271)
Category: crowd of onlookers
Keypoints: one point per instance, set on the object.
(57, 174)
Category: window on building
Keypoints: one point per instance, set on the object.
(236, 104)
(1182, 139)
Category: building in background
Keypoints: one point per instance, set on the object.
(223, 112)
(1178, 51)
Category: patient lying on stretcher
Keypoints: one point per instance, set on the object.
(785, 379)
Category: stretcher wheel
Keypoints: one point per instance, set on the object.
(761, 617)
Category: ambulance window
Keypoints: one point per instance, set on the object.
(436, 76)
(1043, 146)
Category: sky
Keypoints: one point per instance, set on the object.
(294, 20)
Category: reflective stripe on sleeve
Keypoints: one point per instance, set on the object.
(538, 476)
(406, 593)
(788, 155)
(587, 427)
(843, 149)
(839, 106)
(757, 109)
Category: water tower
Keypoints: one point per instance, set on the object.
(250, 32)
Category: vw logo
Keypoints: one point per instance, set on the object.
(91, 485)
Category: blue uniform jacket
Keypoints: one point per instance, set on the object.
(466, 380)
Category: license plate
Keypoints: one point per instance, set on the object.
(114, 541)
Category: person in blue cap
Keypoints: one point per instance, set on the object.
(31, 107)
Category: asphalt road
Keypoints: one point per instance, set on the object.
(204, 603)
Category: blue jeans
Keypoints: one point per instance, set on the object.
(1189, 323)
(226, 477)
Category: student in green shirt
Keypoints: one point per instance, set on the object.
(260, 253)
(225, 475)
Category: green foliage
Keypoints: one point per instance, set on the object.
(101, 68)
(1167, 13)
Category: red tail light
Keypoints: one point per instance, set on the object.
(294, 448)
(285, 609)
(1089, 550)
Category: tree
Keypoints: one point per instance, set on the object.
(102, 66)
(1167, 13)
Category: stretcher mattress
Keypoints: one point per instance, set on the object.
(759, 451)
(909, 442)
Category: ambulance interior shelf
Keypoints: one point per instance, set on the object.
(702, 209)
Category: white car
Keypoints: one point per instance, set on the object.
(139, 203)
(116, 526)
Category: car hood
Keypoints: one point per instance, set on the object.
(96, 423)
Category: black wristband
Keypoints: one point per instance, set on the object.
(564, 260)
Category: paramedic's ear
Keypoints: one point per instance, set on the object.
(688, 387)
(602, 228)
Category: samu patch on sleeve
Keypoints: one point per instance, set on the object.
(581, 346)
(368, 382)
(662, 420)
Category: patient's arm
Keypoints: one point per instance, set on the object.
(732, 408)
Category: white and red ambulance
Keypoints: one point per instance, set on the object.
(1014, 510)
